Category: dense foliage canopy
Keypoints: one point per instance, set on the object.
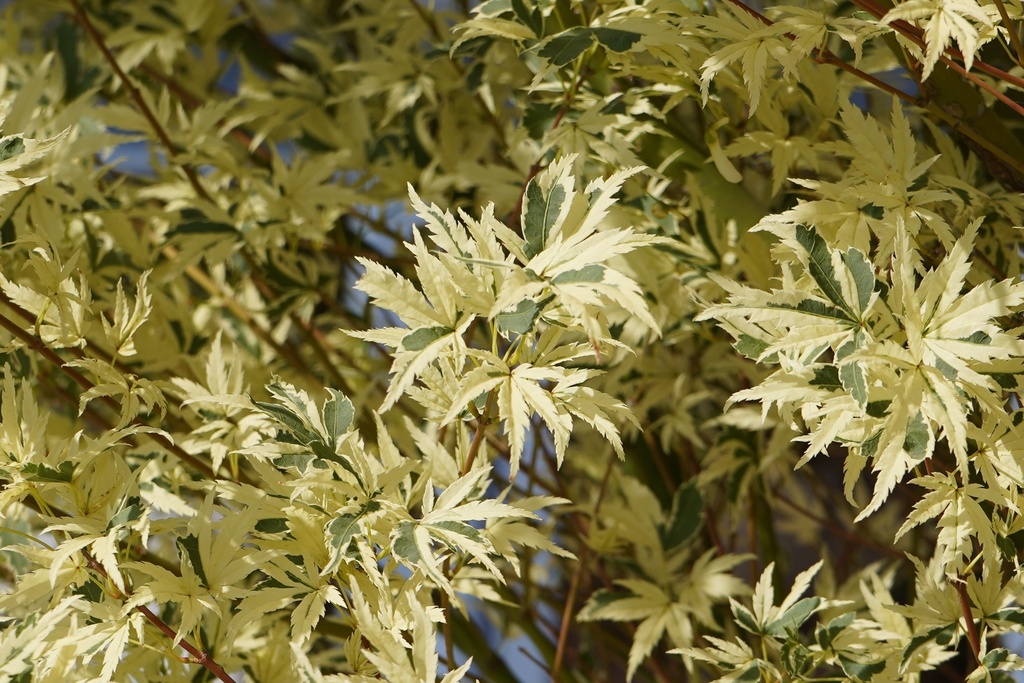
(572, 340)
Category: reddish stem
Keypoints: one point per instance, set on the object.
(198, 656)
(965, 609)
(513, 217)
(136, 96)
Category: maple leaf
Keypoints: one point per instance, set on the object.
(945, 21)
(661, 609)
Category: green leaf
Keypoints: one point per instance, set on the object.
(65, 472)
(815, 307)
(947, 370)
(826, 376)
(190, 546)
(941, 632)
(918, 436)
(419, 339)
(91, 591)
(520, 319)
(340, 532)
(753, 348)
(873, 211)
(590, 273)
(862, 671)
(751, 674)
(796, 658)
(405, 543)
(457, 527)
(297, 460)
(855, 381)
(289, 420)
(533, 19)
(849, 347)
(201, 227)
(979, 337)
(863, 276)
(77, 81)
(568, 45)
(604, 597)
(1004, 379)
(616, 39)
(539, 117)
(129, 514)
(794, 617)
(745, 618)
(869, 446)
(1013, 615)
(820, 265)
(337, 413)
(995, 657)
(877, 408)
(824, 635)
(684, 518)
(325, 452)
(541, 213)
(11, 147)
(283, 280)
(275, 525)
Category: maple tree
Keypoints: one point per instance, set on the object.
(355, 340)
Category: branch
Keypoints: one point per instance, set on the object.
(39, 347)
(914, 33)
(198, 656)
(264, 37)
(261, 154)
(483, 421)
(513, 217)
(999, 95)
(492, 117)
(823, 55)
(965, 608)
(140, 101)
(446, 607)
(1014, 36)
(839, 530)
(574, 585)
(474, 447)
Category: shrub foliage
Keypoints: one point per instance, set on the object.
(354, 340)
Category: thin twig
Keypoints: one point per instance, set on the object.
(1014, 36)
(513, 218)
(824, 56)
(567, 612)
(446, 607)
(839, 530)
(136, 95)
(190, 172)
(965, 609)
(574, 584)
(533, 658)
(474, 447)
(214, 290)
(292, 355)
(261, 34)
(260, 154)
(1002, 97)
(914, 33)
(200, 657)
(38, 346)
